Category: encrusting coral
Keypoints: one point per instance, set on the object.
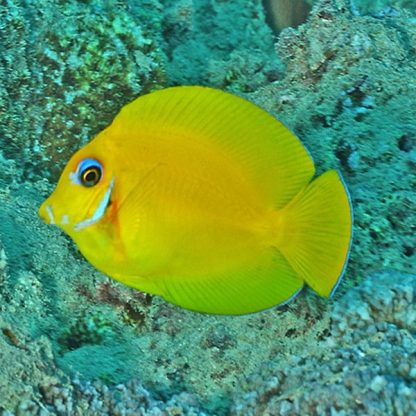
(348, 93)
(366, 365)
(66, 69)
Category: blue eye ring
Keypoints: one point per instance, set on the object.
(89, 172)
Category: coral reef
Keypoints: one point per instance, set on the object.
(219, 43)
(86, 398)
(344, 96)
(74, 342)
(367, 365)
(66, 69)
(380, 7)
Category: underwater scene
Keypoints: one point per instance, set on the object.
(240, 236)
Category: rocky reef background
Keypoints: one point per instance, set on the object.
(73, 342)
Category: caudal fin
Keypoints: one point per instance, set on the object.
(317, 232)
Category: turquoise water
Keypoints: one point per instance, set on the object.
(74, 342)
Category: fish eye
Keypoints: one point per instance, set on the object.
(89, 172)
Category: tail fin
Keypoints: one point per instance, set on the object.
(317, 232)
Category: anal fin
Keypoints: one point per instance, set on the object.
(253, 287)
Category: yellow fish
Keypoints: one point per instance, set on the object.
(203, 198)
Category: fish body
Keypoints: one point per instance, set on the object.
(205, 199)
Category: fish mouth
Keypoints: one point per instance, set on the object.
(46, 213)
(100, 210)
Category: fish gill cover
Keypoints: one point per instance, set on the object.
(73, 342)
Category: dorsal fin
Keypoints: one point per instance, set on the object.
(269, 154)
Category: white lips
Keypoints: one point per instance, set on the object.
(99, 212)
(50, 213)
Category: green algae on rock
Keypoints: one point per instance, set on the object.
(365, 366)
(223, 44)
(348, 92)
(65, 71)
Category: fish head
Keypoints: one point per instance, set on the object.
(83, 195)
